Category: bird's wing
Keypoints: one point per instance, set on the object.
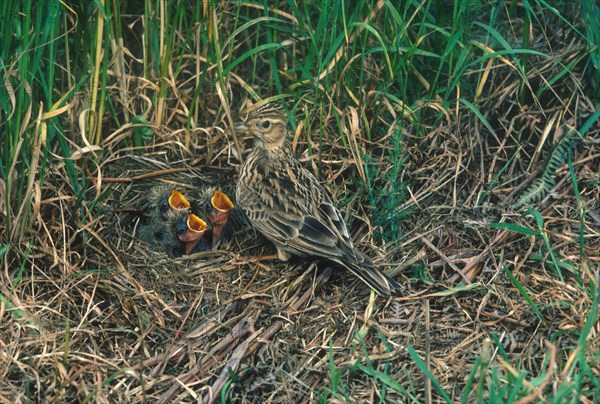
(296, 213)
(329, 214)
(317, 237)
(288, 205)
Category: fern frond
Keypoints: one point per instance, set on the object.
(542, 186)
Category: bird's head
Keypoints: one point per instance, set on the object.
(267, 124)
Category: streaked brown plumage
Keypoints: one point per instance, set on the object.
(286, 203)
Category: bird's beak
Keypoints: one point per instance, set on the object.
(196, 228)
(219, 215)
(241, 127)
(221, 202)
(178, 201)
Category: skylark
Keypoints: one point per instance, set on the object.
(285, 202)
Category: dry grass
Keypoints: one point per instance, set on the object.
(90, 313)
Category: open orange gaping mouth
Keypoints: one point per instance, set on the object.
(196, 225)
(196, 228)
(178, 201)
(221, 202)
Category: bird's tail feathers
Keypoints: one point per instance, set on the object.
(377, 280)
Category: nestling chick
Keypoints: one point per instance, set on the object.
(167, 219)
(168, 224)
(181, 233)
(163, 200)
(161, 234)
(286, 203)
(219, 216)
(224, 217)
(190, 232)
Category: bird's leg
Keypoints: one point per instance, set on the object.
(259, 258)
(283, 255)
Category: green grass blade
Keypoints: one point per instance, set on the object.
(515, 228)
(523, 293)
(423, 367)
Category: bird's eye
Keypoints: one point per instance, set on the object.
(266, 124)
(164, 206)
